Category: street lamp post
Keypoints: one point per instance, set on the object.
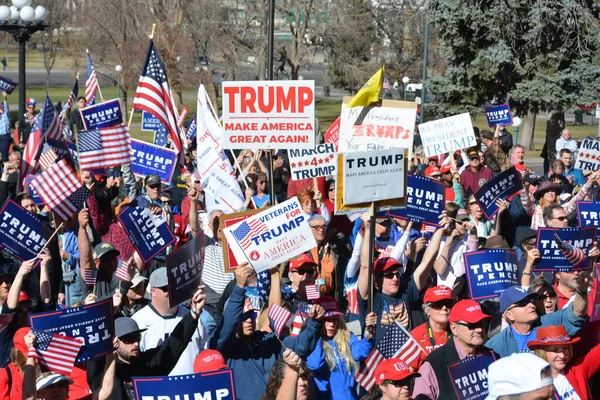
(405, 81)
(21, 20)
(119, 69)
(516, 124)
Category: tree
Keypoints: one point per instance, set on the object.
(51, 37)
(531, 54)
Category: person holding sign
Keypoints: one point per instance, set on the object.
(495, 157)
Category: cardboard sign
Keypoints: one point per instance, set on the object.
(552, 259)
(192, 129)
(498, 115)
(151, 159)
(588, 213)
(222, 186)
(314, 163)
(6, 85)
(500, 187)
(372, 176)
(92, 323)
(588, 158)
(333, 133)
(447, 134)
(22, 234)
(425, 200)
(184, 270)
(36, 198)
(215, 385)
(269, 115)
(490, 272)
(272, 236)
(102, 115)
(226, 221)
(149, 235)
(149, 122)
(469, 376)
(377, 128)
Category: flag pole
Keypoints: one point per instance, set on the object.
(132, 108)
(371, 253)
(99, 90)
(51, 237)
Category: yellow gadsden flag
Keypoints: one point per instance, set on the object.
(370, 91)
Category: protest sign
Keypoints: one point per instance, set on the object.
(151, 159)
(552, 258)
(595, 314)
(226, 221)
(469, 376)
(92, 323)
(272, 236)
(374, 175)
(588, 158)
(425, 200)
(102, 115)
(149, 122)
(7, 85)
(500, 187)
(498, 115)
(588, 213)
(333, 133)
(392, 125)
(148, 234)
(269, 115)
(22, 234)
(490, 272)
(184, 270)
(214, 385)
(36, 198)
(192, 129)
(313, 163)
(447, 134)
(223, 188)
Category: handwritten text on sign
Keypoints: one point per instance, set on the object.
(447, 134)
(274, 115)
(588, 158)
(308, 164)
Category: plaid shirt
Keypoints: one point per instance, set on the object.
(536, 212)
(5, 120)
(501, 158)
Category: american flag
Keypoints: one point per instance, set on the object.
(574, 255)
(153, 95)
(91, 83)
(278, 318)
(386, 83)
(428, 228)
(55, 352)
(353, 217)
(312, 292)
(104, 147)
(48, 157)
(72, 97)
(46, 126)
(60, 189)
(123, 271)
(246, 231)
(90, 277)
(396, 343)
(161, 136)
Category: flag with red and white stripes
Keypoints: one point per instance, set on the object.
(312, 292)
(72, 97)
(48, 157)
(153, 95)
(278, 318)
(91, 83)
(55, 352)
(90, 276)
(104, 147)
(573, 254)
(396, 343)
(386, 83)
(123, 271)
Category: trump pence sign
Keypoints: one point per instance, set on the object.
(269, 115)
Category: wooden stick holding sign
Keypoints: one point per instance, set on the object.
(372, 222)
(237, 165)
(52, 236)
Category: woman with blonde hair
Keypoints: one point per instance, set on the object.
(335, 360)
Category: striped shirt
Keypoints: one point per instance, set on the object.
(5, 120)
(537, 213)
(213, 272)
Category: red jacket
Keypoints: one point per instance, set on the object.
(14, 392)
(581, 370)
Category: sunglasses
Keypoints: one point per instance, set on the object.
(391, 275)
(561, 219)
(249, 314)
(305, 271)
(331, 189)
(474, 159)
(438, 305)
(474, 325)
(402, 383)
(5, 279)
(547, 296)
(523, 303)
(131, 339)
(318, 227)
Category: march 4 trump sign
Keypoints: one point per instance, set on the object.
(588, 158)
(447, 134)
(313, 163)
(269, 115)
(214, 385)
(272, 236)
(490, 272)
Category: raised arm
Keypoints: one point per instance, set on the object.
(502, 207)
(45, 285)
(532, 256)
(13, 294)
(422, 272)
(194, 225)
(86, 258)
(108, 378)
(363, 276)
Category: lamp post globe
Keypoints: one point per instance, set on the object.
(405, 81)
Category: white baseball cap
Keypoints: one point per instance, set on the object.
(49, 379)
(516, 374)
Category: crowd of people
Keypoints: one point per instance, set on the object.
(539, 331)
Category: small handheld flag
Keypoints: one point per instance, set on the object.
(574, 255)
(312, 292)
(278, 318)
(91, 83)
(90, 277)
(55, 352)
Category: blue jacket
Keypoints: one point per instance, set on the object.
(505, 344)
(252, 363)
(337, 383)
(577, 174)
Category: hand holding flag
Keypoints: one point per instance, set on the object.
(573, 254)
(55, 352)
(278, 318)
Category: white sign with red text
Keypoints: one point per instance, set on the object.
(269, 115)
(320, 161)
(271, 237)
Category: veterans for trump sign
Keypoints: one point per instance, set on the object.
(272, 236)
(269, 115)
(498, 115)
(184, 270)
(214, 385)
(425, 200)
(553, 258)
(447, 134)
(588, 158)
(314, 163)
(490, 272)
(22, 234)
(149, 159)
(500, 187)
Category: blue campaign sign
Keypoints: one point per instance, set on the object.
(469, 376)
(192, 129)
(498, 115)
(102, 115)
(149, 235)
(425, 200)
(184, 270)
(6, 85)
(553, 259)
(36, 198)
(92, 323)
(215, 385)
(500, 187)
(490, 272)
(149, 159)
(589, 214)
(150, 122)
(22, 234)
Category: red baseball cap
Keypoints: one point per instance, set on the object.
(329, 305)
(393, 369)
(430, 171)
(438, 293)
(468, 311)
(446, 168)
(299, 261)
(209, 360)
(385, 263)
(19, 340)
(23, 296)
